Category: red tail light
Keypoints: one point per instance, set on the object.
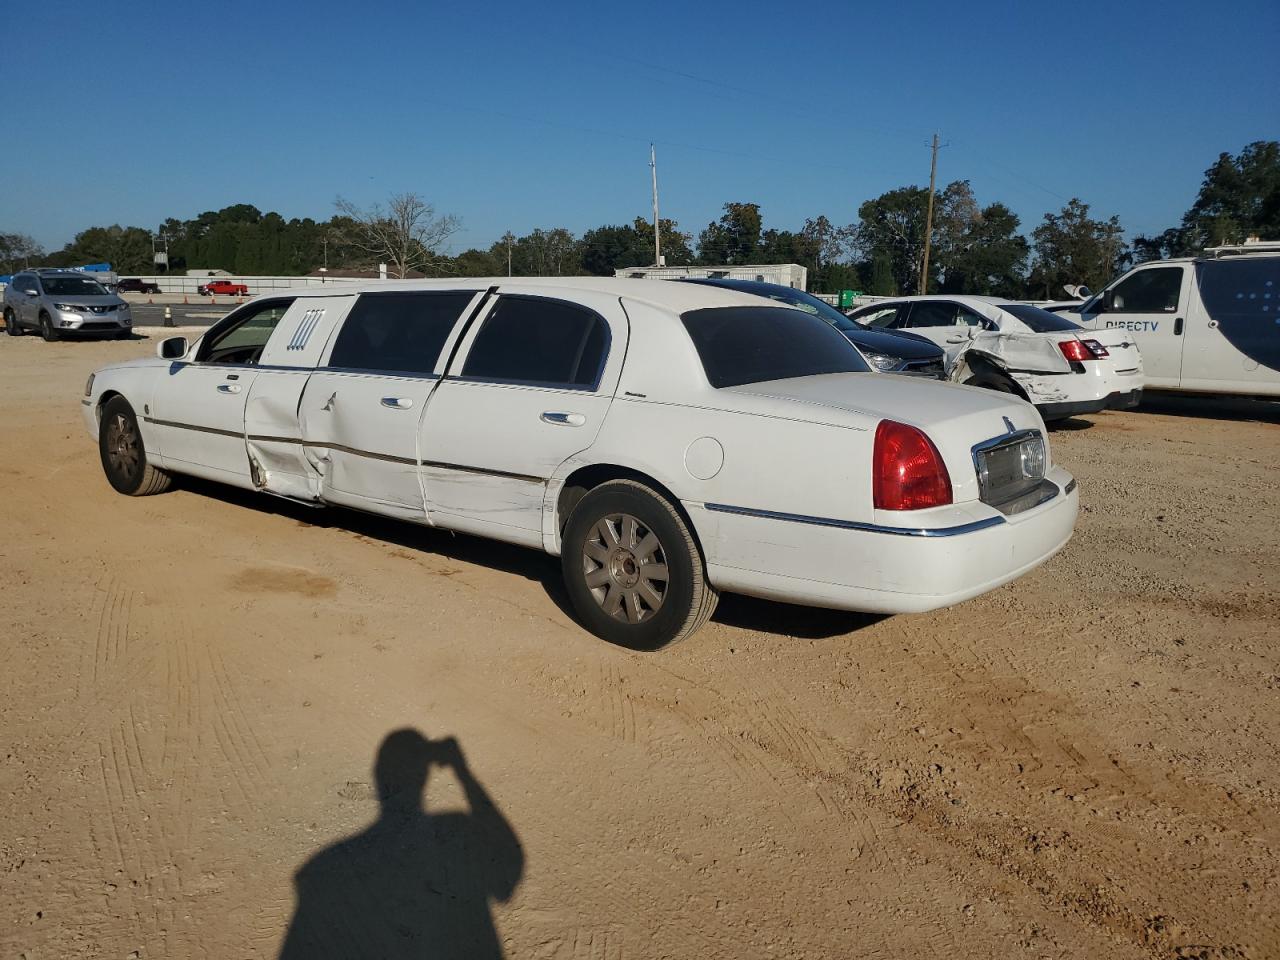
(907, 473)
(1076, 350)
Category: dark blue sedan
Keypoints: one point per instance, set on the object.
(888, 351)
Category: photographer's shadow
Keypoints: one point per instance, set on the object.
(414, 884)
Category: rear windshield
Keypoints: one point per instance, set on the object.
(1040, 321)
(71, 287)
(740, 345)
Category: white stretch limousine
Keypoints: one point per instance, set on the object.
(667, 441)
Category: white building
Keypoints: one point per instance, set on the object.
(786, 274)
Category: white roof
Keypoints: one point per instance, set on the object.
(665, 294)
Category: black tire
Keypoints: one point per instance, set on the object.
(992, 381)
(124, 335)
(46, 329)
(124, 456)
(11, 323)
(603, 572)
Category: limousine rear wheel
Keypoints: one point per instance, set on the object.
(124, 456)
(633, 569)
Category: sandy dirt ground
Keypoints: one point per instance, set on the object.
(196, 688)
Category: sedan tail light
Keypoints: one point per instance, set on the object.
(1098, 349)
(1078, 351)
(907, 470)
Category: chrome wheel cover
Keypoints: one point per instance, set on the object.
(626, 568)
(123, 449)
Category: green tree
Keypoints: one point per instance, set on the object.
(988, 256)
(675, 245)
(1239, 198)
(606, 248)
(127, 249)
(1072, 247)
(890, 236)
(482, 263)
(734, 238)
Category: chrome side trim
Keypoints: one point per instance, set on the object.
(407, 461)
(955, 531)
(482, 471)
(192, 426)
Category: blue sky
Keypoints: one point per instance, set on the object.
(517, 115)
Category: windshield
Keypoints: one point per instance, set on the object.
(72, 287)
(1040, 321)
(740, 345)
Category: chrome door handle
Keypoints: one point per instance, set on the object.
(563, 419)
(228, 388)
(397, 403)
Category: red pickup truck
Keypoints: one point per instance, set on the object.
(224, 287)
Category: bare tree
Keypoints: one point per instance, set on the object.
(17, 250)
(405, 234)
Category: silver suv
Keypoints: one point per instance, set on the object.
(59, 303)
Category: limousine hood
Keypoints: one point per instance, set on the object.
(955, 417)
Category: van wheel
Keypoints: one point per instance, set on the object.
(124, 456)
(633, 571)
(11, 323)
(46, 329)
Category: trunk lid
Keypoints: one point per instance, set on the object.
(955, 418)
(1121, 346)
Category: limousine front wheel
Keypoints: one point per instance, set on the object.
(124, 456)
(633, 569)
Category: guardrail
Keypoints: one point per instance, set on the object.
(256, 285)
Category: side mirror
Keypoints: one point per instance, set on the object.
(172, 348)
(1107, 300)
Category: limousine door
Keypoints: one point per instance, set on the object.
(529, 389)
(277, 456)
(198, 407)
(361, 410)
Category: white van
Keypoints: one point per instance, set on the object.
(1207, 324)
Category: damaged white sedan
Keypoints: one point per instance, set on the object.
(667, 441)
(1048, 360)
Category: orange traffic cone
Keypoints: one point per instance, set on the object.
(149, 300)
(184, 298)
(212, 298)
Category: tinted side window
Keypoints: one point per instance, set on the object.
(740, 345)
(541, 341)
(932, 313)
(397, 332)
(243, 335)
(1149, 291)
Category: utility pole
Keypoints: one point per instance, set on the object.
(657, 240)
(928, 220)
(508, 237)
